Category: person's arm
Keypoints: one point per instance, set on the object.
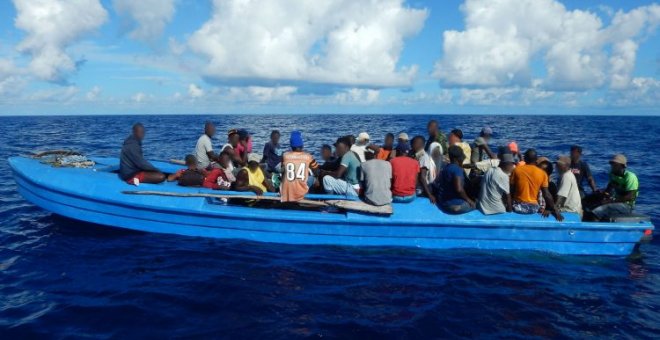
(508, 204)
(175, 176)
(590, 177)
(550, 205)
(425, 185)
(134, 153)
(339, 173)
(490, 154)
(628, 196)
(269, 185)
(458, 187)
(243, 183)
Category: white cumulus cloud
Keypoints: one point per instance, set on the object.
(51, 26)
(93, 93)
(147, 18)
(195, 91)
(279, 42)
(502, 38)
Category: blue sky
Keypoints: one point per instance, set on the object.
(335, 56)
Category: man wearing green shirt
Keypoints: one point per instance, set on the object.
(625, 185)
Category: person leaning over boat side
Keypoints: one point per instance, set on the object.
(272, 156)
(480, 149)
(625, 185)
(133, 168)
(453, 198)
(526, 183)
(427, 169)
(581, 170)
(204, 147)
(436, 135)
(344, 180)
(376, 178)
(385, 151)
(296, 167)
(405, 174)
(568, 194)
(252, 178)
(495, 193)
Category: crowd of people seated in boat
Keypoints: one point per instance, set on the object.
(455, 176)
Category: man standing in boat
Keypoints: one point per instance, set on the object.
(133, 168)
(296, 166)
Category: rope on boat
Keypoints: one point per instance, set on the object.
(341, 204)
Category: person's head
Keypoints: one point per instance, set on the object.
(275, 136)
(369, 154)
(618, 164)
(350, 139)
(563, 164)
(363, 138)
(296, 141)
(456, 154)
(326, 152)
(402, 149)
(507, 163)
(403, 138)
(209, 129)
(225, 159)
(253, 161)
(530, 156)
(455, 136)
(232, 137)
(544, 164)
(243, 135)
(389, 140)
(486, 133)
(342, 146)
(513, 146)
(576, 153)
(191, 161)
(138, 131)
(417, 143)
(435, 150)
(432, 127)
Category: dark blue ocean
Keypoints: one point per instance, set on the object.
(60, 278)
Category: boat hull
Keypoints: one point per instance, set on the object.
(94, 195)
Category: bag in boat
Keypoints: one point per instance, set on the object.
(191, 178)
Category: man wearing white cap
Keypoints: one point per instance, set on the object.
(568, 195)
(625, 185)
(360, 145)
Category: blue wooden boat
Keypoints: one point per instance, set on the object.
(95, 195)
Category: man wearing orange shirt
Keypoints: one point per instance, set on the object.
(296, 166)
(526, 182)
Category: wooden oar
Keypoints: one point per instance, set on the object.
(178, 161)
(346, 205)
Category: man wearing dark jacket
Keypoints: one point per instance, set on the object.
(133, 168)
